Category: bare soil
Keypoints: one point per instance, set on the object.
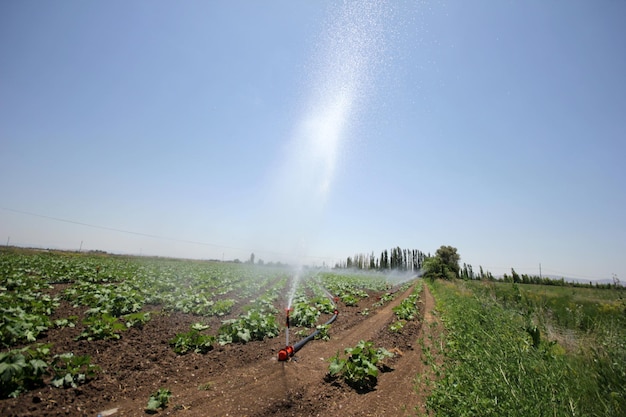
(236, 380)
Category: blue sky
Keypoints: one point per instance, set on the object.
(317, 130)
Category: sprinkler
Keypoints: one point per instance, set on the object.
(288, 351)
(285, 353)
(287, 310)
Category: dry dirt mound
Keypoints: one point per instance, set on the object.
(239, 380)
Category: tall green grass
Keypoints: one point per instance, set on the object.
(499, 360)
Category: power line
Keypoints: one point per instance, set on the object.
(115, 229)
(130, 232)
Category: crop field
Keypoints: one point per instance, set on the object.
(89, 334)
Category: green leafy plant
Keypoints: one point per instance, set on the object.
(158, 400)
(22, 369)
(383, 299)
(304, 315)
(349, 300)
(407, 309)
(322, 332)
(397, 326)
(67, 322)
(324, 305)
(360, 367)
(254, 325)
(115, 300)
(200, 326)
(222, 307)
(18, 325)
(70, 370)
(137, 320)
(194, 341)
(101, 327)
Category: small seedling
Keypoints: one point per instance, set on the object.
(205, 387)
(397, 326)
(158, 400)
(323, 332)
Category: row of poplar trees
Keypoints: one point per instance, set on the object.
(394, 259)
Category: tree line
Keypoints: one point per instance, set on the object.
(445, 265)
(394, 259)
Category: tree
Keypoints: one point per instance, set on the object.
(384, 260)
(515, 275)
(450, 259)
(434, 268)
(445, 264)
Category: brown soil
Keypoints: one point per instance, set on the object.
(237, 380)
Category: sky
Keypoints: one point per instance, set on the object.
(308, 131)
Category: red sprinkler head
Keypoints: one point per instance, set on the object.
(287, 310)
(285, 353)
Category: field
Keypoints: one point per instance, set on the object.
(87, 334)
(521, 350)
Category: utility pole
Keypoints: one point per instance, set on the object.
(81, 246)
(540, 270)
(8, 240)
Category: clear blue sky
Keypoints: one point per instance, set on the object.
(317, 130)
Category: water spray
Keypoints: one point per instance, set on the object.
(287, 310)
(351, 48)
(288, 351)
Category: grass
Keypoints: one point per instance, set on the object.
(501, 359)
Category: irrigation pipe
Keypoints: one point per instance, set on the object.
(288, 351)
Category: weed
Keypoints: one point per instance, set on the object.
(206, 386)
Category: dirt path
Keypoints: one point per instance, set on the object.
(297, 387)
(395, 394)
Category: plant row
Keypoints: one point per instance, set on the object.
(33, 366)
